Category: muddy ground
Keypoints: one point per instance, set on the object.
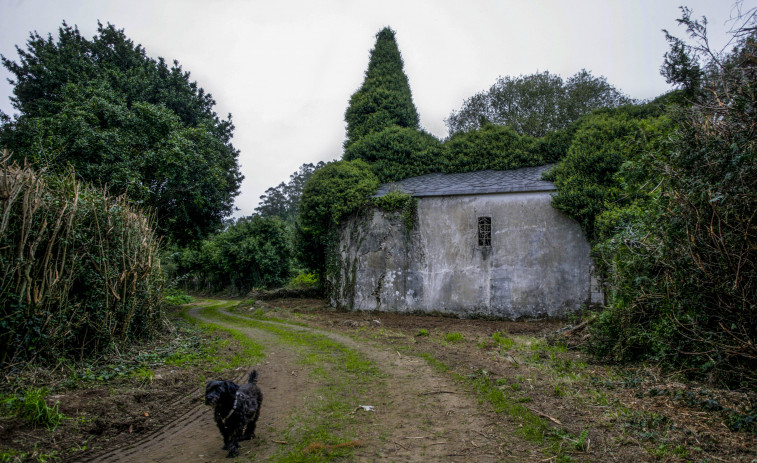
(440, 374)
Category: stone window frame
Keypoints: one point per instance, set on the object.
(484, 231)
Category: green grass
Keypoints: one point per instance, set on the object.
(453, 337)
(13, 456)
(175, 296)
(504, 342)
(32, 407)
(251, 353)
(506, 399)
(531, 426)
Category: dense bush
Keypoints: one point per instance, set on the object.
(254, 252)
(398, 152)
(671, 218)
(79, 272)
(333, 192)
(589, 179)
(490, 147)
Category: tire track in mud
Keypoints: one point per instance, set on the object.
(422, 416)
(194, 437)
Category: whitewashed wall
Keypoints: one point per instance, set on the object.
(538, 263)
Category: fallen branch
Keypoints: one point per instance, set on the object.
(578, 327)
(544, 415)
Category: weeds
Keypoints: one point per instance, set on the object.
(504, 342)
(646, 425)
(453, 337)
(176, 296)
(32, 407)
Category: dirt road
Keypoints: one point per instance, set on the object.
(421, 416)
(441, 390)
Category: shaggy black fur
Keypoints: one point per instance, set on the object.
(236, 410)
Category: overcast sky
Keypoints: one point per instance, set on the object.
(285, 69)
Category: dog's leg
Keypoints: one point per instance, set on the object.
(250, 431)
(224, 431)
(233, 450)
(234, 438)
(226, 440)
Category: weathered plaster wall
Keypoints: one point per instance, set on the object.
(538, 263)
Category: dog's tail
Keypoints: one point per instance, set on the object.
(253, 377)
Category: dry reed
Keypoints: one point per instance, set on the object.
(79, 271)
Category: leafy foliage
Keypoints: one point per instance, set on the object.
(394, 201)
(670, 213)
(283, 200)
(490, 147)
(125, 121)
(402, 203)
(177, 296)
(79, 272)
(536, 104)
(333, 192)
(681, 66)
(251, 253)
(588, 178)
(397, 152)
(385, 98)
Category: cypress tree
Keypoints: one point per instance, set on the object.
(384, 99)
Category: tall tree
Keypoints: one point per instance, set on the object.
(127, 122)
(283, 200)
(330, 194)
(536, 104)
(384, 99)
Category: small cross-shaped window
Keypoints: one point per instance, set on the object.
(484, 231)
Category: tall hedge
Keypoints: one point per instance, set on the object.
(397, 152)
(79, 271)
(384, 99)
(491, 147)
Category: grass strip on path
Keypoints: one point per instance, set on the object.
(251, 352)
(326, 429)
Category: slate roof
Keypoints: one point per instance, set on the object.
(473, 183)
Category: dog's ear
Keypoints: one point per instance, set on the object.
(228, 387)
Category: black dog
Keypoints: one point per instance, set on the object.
(236, 410)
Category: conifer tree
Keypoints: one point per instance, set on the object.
(384, 99)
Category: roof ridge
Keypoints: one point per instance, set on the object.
(487, 181)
